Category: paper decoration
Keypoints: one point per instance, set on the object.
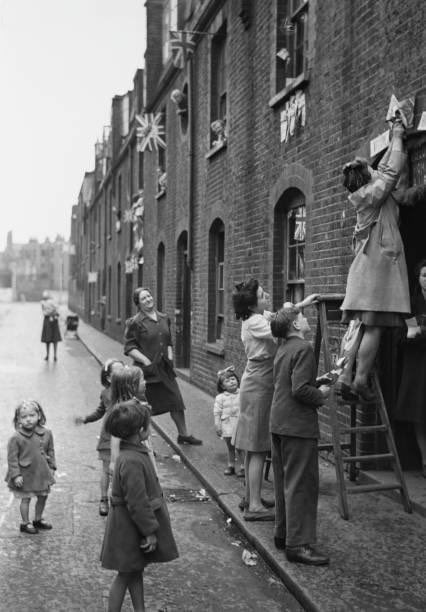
(405, 109)
(379, 144)
(293, 115)
(149, 132)
(182, 47)
(283, 54)
(422, 123)
(128, 216)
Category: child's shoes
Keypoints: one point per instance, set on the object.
(229, 471)
(27, 528)
(42, 524)
(103, 506)
(241, 473)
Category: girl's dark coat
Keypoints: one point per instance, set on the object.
(137, 509)
(32, 456)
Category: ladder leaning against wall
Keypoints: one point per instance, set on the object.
(328, 307)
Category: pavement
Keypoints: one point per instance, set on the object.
(377, 557)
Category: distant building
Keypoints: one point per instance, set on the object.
(30, 268)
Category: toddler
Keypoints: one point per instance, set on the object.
(226, 411)
(104, 443)
(31, 463)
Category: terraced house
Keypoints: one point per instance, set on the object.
(249, 111)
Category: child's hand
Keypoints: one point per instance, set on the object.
(78, 421)
(325, 390)
(218, 432)
(18, 482)
(149, 544)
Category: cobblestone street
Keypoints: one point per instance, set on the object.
(60, 570)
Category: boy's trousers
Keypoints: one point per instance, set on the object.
(296, 482)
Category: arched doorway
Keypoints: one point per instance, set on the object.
(183, 304)
(412, 224)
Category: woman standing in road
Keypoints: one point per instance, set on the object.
(148, 341)
(50, 333)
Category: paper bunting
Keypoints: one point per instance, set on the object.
(150, 131)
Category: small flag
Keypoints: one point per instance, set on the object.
(149, 132)
(182, 47)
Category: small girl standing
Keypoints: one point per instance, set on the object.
(127, 383)
(138, 530)
(104, 443)
(226, 410)
(31, 463)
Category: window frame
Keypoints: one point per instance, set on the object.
(216, 284)
(219, 77)
(296, 10)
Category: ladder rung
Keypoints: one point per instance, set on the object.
(372, 487)
(353, 459)
(330, 447)
(364, 428)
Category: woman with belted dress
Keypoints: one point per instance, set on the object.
(148, 342)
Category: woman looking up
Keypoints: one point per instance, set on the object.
(148, 342)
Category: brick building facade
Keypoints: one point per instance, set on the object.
(293, 90)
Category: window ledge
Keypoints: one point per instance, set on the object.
(118, 321)
(160, 194)
(216, 348)
(214, 150)
(299, 82)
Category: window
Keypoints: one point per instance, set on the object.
(289, 248)
(119, 290)
(218, 100)
(161, 256)
(110, 212)
(291, 41)
(170, 22)
(216, 297)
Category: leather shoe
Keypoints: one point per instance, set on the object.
(229, 471)
(260, 515)
(103, 507)
(42, 524)
(27, 528)
(345, 392)
(307, 555)
(364, 392)
(279, 543)
(188, 440)
(267, 503)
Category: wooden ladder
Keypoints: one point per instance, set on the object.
(328, 307)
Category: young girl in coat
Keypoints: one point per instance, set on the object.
(31, 463)
(126, 383)
(226, 410)
(138, 530)
(104, 443)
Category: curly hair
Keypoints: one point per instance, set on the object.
(282, 321)
(356, 174)
(136, 293)
(223, 375)
(244, 297)
(418, 268)
(127, 418)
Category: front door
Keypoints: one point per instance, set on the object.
(183, 304)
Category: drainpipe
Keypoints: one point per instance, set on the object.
(191, 196)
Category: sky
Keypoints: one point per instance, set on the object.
(61, 63)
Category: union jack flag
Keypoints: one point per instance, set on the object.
(182, 47)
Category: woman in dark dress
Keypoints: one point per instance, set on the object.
(411, 405)
(50, 333)
(148, 341)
